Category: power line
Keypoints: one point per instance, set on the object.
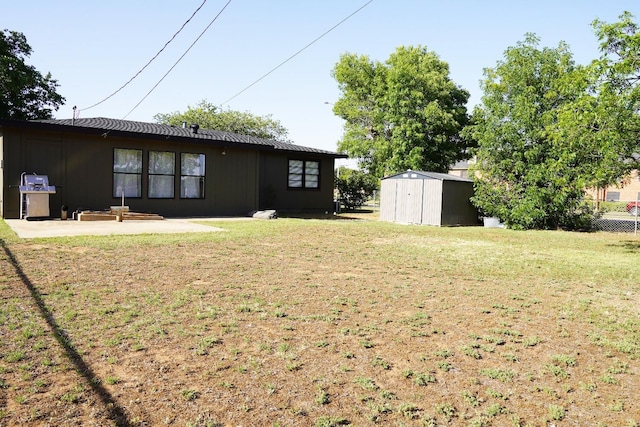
(150, 61)
(179, 59)
(298, 52)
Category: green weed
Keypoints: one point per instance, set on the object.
(408, 410)
(471, 399)
(111, 380)
(331, 422)
(15, 356)
(472, 352)
(444, 366)
(496, 394)
(504, 375)
(423, 379)
(563, 359)
(322, 398)
(189, 394)
(495, 409)
(556, 371)
(616, 406)
(556, 412)
(366, 383)
(444, 353)
(380, 362)
(447, 410)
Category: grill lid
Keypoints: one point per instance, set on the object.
(36, 183)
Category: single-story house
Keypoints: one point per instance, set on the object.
(95, 163)
(427, 198)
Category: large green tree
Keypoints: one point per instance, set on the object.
(531, 170)
(405, 113)
(209, 116)
(25, 94)
(548, 129)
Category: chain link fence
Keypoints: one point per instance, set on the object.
(620, 216)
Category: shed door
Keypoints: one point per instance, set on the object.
(409, 201)
(432, 202)
(388, 193)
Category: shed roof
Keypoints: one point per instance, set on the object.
(409, 174)
(127, 128)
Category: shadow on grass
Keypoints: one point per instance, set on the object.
(630, 246)
(344, 214)
(116, 413)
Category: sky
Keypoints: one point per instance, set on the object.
(94, 47)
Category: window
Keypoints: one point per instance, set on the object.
(304, 174)
(162, 169)
(192, 176)
(127, 173)
(612, 196)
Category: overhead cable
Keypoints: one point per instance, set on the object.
(150, 61)
(179, 59)
(298, 52)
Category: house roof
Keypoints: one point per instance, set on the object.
(127, 128)
(427, 175)
(462, 164)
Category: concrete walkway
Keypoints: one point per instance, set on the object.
(58, 228)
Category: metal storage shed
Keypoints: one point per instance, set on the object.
(427, 198)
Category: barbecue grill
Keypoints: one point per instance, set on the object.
(34, 195)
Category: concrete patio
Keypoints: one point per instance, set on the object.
(58, 228)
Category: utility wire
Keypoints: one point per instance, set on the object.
(179, 59)
(298, 52)
(150, 61)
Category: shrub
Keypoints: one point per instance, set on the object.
(354, 187)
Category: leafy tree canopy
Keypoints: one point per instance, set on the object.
(403, 114)
(525, 175)
(619, 83)
(209, 116)
(619, 44)
(25, 94)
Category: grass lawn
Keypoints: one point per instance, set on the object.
(307, 322)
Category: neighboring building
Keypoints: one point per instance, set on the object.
(461, 168)
(427, 198)
(627, 190)
(171, 171)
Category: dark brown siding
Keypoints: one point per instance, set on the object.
(237, 182)
(274, 191)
